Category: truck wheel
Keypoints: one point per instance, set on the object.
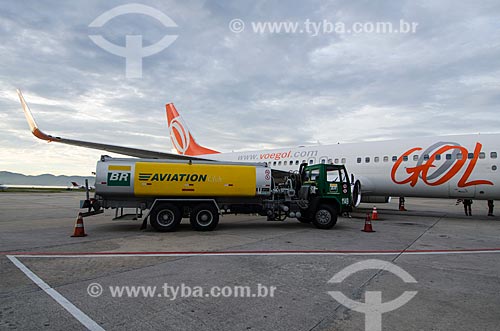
(325, 217)
(204, 217)
(165, 217)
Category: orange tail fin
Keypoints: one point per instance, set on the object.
(181, 137)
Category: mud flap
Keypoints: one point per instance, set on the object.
(144, 224)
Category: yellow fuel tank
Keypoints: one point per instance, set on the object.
(171, 179)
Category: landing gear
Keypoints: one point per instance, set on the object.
(402, 204)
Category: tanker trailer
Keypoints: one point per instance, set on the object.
(165, 191)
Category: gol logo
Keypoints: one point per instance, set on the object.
(444, 172)
(179, 135)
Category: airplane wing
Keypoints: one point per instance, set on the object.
(136, 152)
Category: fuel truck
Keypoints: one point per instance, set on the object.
(166, 191)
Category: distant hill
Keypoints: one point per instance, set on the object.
(12, 178)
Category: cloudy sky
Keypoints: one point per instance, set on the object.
(247, 90)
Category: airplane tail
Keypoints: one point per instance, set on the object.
(181, 137)
(75, 184)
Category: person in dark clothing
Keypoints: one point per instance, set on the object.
(467, 207)
(402, 204)
(490, 208)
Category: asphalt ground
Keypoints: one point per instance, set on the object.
(48, 280)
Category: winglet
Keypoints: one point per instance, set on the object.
(181, 137)
(31, 121)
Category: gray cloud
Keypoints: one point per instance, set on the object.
(244, 91)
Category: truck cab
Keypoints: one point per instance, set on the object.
(327, 189)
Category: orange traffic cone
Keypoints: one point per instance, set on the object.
(374, 214)
(368, 224)
(79, 229)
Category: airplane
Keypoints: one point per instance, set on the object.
(460, 166)
(76, 186)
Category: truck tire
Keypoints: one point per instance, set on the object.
(325, 217)
(165, 217)
(204, 217)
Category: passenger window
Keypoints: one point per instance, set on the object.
(343, 160)
(311, 161)
(274, 163)
(493, 155)
(336, 161)
(459, 156)
(376, 159)
(386, 158)
(448, 156)
(297, 162)
(303, 161)
(482, 155)
(415, 157)
(438, 157)
(394, 158)
(330, 161)
(279, 163)
(358, 160)
(367, 159)
(405, 158)
(426, 157)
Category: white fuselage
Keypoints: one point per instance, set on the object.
(444, 167)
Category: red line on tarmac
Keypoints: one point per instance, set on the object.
(260, 252)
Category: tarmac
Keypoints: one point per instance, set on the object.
(430, 268)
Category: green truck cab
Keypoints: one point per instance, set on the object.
(327, 190)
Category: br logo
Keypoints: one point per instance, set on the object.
(373, 307)
(133, 52)
(118, 178)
